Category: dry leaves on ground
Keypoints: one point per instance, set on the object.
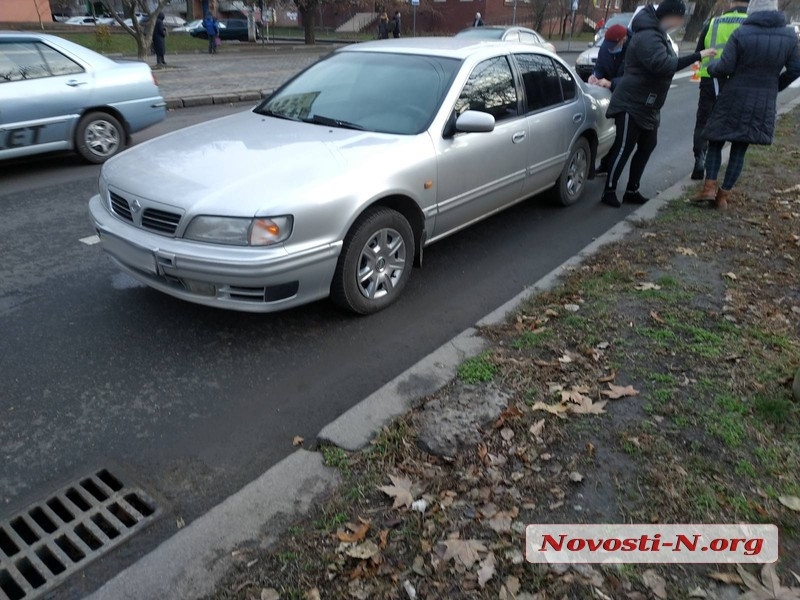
(790, 502)
(400, 491)
(357, 533)
(463, 551)
(769, 588)
(647, 286)
(615, 392)
(656, 583)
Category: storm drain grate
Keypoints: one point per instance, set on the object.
(51, 540)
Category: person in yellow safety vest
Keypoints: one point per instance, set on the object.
(714, 35)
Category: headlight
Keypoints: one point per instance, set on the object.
(584, 59)
(240, 232)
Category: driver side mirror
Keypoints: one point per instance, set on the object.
(474, 121)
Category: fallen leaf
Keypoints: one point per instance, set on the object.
(656, 583)
(608, 378)
(647, 286)
(685, 251)
(573, 395)
(729, 578)
(656, 317)
(486, 570)
(297, 441)
(501, 522)
(769, 588)
(554, 409)
(357, 532)
(507, 434)
(364, 550)
(587, 407)
(590, 449)
(270, 594)
(313, 594)
(575, 477)
(572, 307)
(730, 275)
(648, 234)
(790, 502)
(510, 588)
(565, 359)
(614, 392)
(400, 491)
(464, 551)
(537, 428)
(384, 537)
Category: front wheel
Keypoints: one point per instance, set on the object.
(99, 136)
(572, 181)
(375, 262)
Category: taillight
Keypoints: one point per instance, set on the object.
(155, 81)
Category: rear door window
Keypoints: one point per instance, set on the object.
(541, 81)
(568, 85)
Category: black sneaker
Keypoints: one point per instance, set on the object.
(699, 171)
(634, 197)
(610, 198)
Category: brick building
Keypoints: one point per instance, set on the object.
(25, 11)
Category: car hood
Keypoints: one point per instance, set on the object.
(245, 164)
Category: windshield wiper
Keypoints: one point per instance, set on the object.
(271, 113)
(329, 122)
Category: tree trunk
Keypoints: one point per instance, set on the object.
(309, 14)
(702, 10)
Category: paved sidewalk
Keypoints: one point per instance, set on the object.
(201, 79)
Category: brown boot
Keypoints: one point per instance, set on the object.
(708, 193)
(721, 200)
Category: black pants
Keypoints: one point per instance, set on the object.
(630, 136)
(705, 105)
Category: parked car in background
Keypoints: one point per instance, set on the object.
(82, 21)
(521, 35)
(58, 95)
(169, 20)
(229, 29)
(188, 27)
(61, 17)
(410, 141)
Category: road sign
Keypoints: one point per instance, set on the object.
(414, 2)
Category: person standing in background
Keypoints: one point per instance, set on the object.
(753, 62)
(396, 25)
(160, 40)
(478, 22)
(383, 26)
(714, 35)
(211, 25)
(650, 65)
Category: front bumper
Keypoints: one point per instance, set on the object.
(237, 278)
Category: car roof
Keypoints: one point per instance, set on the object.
(446, 47)
(81, 52)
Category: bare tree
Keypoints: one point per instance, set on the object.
(141, 33)
(702, 11)
(38, 6)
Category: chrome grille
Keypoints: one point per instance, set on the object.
(121, 207)
(160, 220)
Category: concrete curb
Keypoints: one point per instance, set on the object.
(189, 564)
(209, 99)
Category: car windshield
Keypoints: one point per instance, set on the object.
(380, 92)
(483, 33)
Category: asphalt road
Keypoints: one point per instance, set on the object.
(192, 403)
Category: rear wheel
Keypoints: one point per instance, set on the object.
(572, 181)
(99, 136)
(375, 262)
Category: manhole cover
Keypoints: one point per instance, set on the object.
(51, 540)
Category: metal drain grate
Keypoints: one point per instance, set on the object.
(51, 540)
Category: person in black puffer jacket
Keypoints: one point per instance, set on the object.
(650, 64)
(754, 59)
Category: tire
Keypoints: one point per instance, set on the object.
(572, 182)
(377, 228)
(99, 136)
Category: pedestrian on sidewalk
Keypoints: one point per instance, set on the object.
(478, 22)
(716, 34)
(211, 25)
(650, 64)
(383, 26)
(160, 40)
(396, 25)
(753, 61)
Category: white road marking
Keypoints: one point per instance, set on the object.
(90, 241)
(673, 86)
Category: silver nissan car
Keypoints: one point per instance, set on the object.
(335, 184)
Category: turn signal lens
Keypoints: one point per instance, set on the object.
(265, 232)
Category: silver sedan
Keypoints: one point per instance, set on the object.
(335, 184)
(57, 95)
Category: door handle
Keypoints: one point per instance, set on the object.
(518, 137)
(75, 83)
(577, 118)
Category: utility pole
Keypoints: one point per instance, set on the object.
(514, 17)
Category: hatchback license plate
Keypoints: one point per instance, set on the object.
(129, 254)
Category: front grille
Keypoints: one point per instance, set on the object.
(121, 207)
(52, 540)
(160, 220)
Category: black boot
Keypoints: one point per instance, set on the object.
(634, 197)
(699, 171)
(610, 198)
